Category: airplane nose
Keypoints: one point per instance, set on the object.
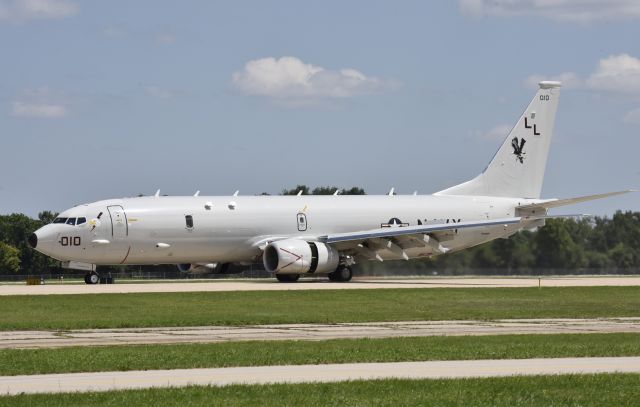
(33, 240)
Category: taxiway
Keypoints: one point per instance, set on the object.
(53, 287)
(107, 381)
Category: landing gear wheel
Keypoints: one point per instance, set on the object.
(92, 278)
(342, 274)
(287, 278)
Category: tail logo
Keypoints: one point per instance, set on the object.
(517, 148)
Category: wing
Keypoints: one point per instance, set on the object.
(368, 243)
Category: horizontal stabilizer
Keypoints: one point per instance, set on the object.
(554, 203)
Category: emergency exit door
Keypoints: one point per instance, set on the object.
(302, 222)
(119, 226)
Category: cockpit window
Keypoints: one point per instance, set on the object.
(60, 220)
(71, 221)
(81, 221)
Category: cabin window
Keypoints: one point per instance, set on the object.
(81, 221)
(60, 220)
(71, 221)
(189, 221)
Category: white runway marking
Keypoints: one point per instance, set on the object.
(272, 285)
(106, 381)
(204, 334)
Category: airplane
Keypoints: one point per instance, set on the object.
(308, 235)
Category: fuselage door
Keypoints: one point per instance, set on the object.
(119, 226)
(302, 222)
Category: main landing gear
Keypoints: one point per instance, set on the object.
(342, 274)
(287, 278)
(92, 278)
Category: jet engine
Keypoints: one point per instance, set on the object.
(293, 256)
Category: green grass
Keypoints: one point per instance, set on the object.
(314, 306)
(147, 357)
(569, 390)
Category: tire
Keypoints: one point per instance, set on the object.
(287, 278)
(93, 278)
(342, 274)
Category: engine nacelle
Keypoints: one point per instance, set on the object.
(294, 256)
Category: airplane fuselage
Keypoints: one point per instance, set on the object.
(234, 229)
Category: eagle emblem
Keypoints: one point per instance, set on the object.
(518, 145)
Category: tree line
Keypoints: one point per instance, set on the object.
(609, 244)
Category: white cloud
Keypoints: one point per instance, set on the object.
(581, 11)
(617, 73)
(568, 79)
(38, 110)
(633, 116)
(21, 10)
(37, 103)
(290, 78)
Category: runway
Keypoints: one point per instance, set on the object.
(107, 381)
(311, 332)
(54, 287)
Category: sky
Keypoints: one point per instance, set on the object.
(110, 99)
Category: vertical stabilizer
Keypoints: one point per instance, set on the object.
(517, 169)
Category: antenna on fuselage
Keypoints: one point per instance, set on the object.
(236, 193)
(338, 191)
(197, 193)
(415, 192)
(299, 193)
(157, 194)
(392, 191)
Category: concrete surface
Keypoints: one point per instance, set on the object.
(55, 287)
(105, 381)
(132, 336)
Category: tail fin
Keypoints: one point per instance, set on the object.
(517, 169)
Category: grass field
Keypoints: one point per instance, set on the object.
(578, 390)
(262, 307)
(147, 357)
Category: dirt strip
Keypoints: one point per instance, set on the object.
(313, 332)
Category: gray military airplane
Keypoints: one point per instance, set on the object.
(307, 235)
